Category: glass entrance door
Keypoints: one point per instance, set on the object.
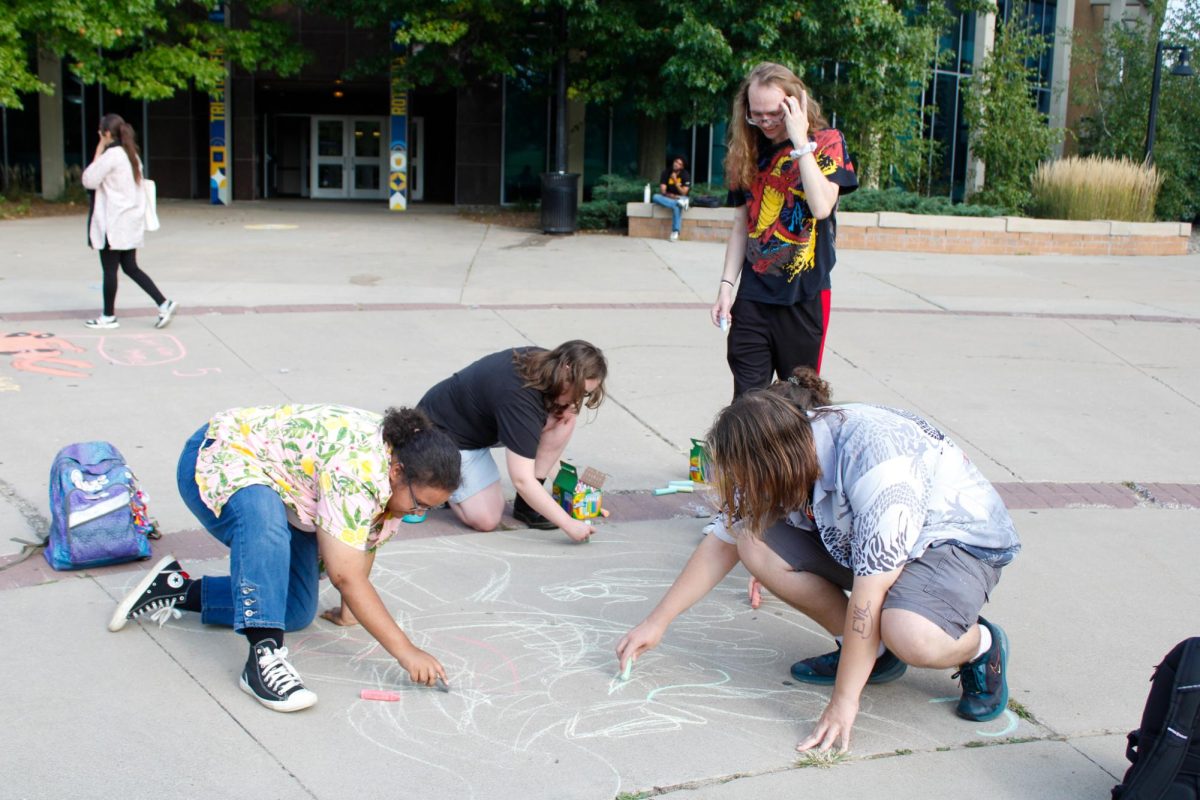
(348, 158)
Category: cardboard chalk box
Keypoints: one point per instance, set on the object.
(698, 470)
(579, 495)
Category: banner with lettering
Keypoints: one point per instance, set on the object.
(398, 151)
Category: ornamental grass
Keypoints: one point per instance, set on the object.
(1093, 187)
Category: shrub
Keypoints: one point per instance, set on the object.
(601, 214)
(896, 199)
(1096, 188)
(1113, 82)
(619, 189)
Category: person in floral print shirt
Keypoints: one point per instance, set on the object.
(287, 488)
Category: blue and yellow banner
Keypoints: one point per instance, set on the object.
(398, 151)
(218, 146)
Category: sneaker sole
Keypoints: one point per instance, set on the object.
(121, 615)
(298, 701)
(1003, 706)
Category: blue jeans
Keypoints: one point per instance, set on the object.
(671, 203)
(273, 576)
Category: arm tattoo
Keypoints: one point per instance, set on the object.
(862, 620)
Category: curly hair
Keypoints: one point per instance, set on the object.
(430, 457)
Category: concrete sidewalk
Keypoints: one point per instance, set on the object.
(1071, 381)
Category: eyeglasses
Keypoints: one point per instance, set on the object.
(417, 508)
(760, 120)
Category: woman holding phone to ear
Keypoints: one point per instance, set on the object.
(117, 222)
(786, 169)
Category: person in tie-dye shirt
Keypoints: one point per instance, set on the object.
(287, 488)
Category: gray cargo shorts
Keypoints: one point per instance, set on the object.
(946, 585)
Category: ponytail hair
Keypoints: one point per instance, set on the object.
(429, 455)
(123, 135)
(805, 388)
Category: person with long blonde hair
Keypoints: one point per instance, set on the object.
(871, 522)
(786, 169)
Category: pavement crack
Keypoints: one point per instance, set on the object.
(31, 513)
(1133, 366)
(233, 718)
(471, 265)
(910, 292)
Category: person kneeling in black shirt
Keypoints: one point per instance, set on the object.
(526, 400)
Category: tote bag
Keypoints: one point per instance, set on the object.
(151, 204)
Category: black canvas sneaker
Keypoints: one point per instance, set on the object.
(272, 681)
(157, 594)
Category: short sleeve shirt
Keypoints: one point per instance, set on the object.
(790, 253)
(675, 183)
(328, 463)
(487, 405)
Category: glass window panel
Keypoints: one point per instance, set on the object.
(525, 137)
(366, 176)
(329, 176)
(368, 135)
(329, 137)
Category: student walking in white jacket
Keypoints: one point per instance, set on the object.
(118, 220)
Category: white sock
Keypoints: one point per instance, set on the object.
(985, 641)
(839, 639)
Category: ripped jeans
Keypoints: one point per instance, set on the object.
(273, 576)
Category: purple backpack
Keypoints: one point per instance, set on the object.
(97, 514)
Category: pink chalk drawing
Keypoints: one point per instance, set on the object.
(140, 349)
(41, 352)
(44, 353)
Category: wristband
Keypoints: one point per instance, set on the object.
(726, 280)
(809, 147)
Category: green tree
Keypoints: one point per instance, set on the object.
(1008, 133)
(685, 58)
(145, 49)
(1114, 84)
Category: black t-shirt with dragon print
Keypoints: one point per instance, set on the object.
(789, 253)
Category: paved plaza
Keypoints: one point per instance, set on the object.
(1074, 383)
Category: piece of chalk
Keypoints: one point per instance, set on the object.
(668, 490)
(442, 686)
(685, 489)
(625, 673)
(379, 694)
(724, 323)
(604, 512)
(681, 483)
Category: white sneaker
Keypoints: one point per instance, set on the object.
(684, 203)
(674, 237)
(102, 322)
(165, 312)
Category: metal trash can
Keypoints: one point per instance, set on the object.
(560, 207)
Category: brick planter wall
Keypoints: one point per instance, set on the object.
(888, 230)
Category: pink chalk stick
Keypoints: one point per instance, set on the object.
(379, 694)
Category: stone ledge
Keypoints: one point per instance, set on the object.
(891, 230)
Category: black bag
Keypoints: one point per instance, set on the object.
(1165, 750)
(706, 201)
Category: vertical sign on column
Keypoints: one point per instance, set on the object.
(218, 147)
(398, 151)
